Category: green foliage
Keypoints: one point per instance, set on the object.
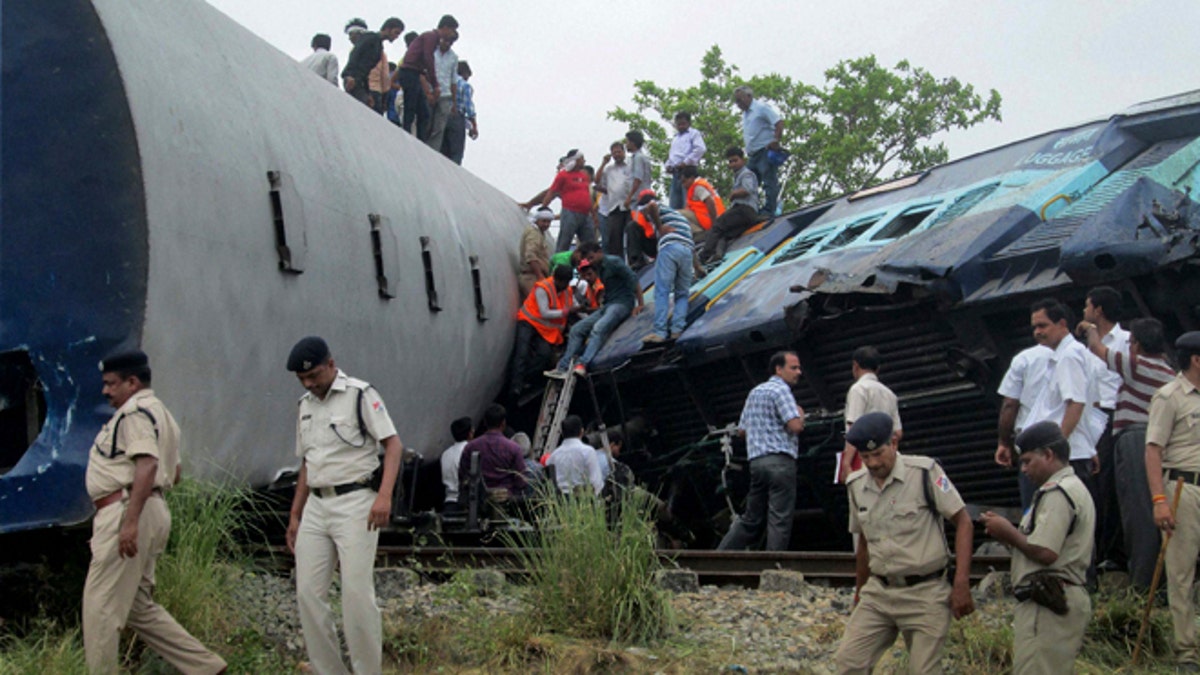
(866, 124)
(593, 579)
(51, 648)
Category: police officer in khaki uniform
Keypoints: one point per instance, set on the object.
(1052, 549)
(1172, 452)
(897, 503)
(338, 509)
(134, 459)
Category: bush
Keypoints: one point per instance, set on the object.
(593, 579)
(51, 648)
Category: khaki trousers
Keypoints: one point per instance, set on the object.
(920, 613)
(1181, 571)
(1045, 643)
(333, 531)
(119, 592)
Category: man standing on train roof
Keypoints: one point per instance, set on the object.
(771, 421)
(687, 149)
(134, 459)
(338, 508)
(622, 299)
(673, 269)
(1052, 549)
(897, 503)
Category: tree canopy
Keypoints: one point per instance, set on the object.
(866, 124)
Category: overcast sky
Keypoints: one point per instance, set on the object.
(546, 72)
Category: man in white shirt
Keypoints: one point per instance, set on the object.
(574, 461)
(687, 148)
(1101, 309)
(322, 61)
(613, 182)
(1024, 381)
(1071, 389)
(866, 395)
(445, 63)
(462, 430)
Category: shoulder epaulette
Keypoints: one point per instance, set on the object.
(113, 453)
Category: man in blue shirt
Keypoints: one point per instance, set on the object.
(762, 127)
(454, 143)
(771, 422)
(622, 298)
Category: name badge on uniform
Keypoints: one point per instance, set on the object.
(305, 417)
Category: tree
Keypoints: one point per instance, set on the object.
(866, 125)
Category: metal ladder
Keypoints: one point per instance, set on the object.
(556, 405)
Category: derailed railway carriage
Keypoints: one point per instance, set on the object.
(172, 182)
(937, 270)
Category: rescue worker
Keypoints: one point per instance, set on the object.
(341, 422)
(702, 198)
(541, 321)
(134, 459)
(1051, 553)
(897, 503)
(1173, 452)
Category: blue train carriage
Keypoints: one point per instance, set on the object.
(204, 197)
(937, 271)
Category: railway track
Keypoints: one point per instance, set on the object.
(712, 567)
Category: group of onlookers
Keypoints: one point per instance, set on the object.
(427, 92)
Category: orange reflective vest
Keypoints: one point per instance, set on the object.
(551, 330)
(647, 225)
(593, 294)
(699, 208)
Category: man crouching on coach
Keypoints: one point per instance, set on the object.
(897, 503)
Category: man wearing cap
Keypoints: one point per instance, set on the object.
(535, 250)
(134, 459)
(1052, 549)
(367, 56)
(771, 422)
(1173, 452)
(622, 299)
(338, 509)
(673, 269)
(897, 503)
(762, 129)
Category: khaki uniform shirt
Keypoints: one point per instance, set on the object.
(328, 438)
(903, 536)
(868, 395)
(1175, 424)
(1046, 524)
(136, 434)
(534, 246)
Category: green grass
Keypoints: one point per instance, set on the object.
(590, 578)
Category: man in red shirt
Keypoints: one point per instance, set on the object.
(573, 186)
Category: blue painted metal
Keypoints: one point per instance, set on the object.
(68, 172)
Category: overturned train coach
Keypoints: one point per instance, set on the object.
(172, 182)
(937, 271)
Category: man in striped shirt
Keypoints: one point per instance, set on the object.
(1142, 369)
(672, 267)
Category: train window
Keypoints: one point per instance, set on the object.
(287, 216)
(904, 223)
(430, 281)
(22, 407)
(963, 203)
(849, 234)
(799, 248)
(477, 284)
(384, 250)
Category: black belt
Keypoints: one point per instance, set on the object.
(910, 580)
(1189, 477)
(338, 490)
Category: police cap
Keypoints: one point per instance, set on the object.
(125, 361)
(1040, 435)
(308, 353)
(1189, 341)
(870, 432)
